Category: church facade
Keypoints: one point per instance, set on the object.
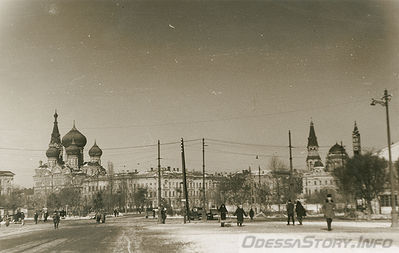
(65, 166)
(319, 177)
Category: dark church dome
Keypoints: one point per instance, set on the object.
(53, 152)
(337, 149)
(74, 134)
(95, 150)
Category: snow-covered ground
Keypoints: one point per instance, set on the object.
(210, 237)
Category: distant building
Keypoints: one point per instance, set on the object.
(319, 177)
(65, 166)
(6, 180)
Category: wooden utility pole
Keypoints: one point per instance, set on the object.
(183, 161)
(291, 169)
(159, 183)
(203, 182)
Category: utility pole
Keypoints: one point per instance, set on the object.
(159, 183)
(291, 169)
(384, 101)
(203, 182)
(183, 161)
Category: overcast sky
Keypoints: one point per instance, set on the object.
(133, 72)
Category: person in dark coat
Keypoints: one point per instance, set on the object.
(102, 216)
(36, 216)
(290, 212)
(300, 211)
(251, 214)
(22, 218)
(328, 210)
(98, 217)
(45, 216)
(163, 214)
(223, 212)
(56, 219)
(240, 215)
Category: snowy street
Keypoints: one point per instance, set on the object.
(137, 234)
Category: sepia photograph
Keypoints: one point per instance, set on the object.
(199, 126)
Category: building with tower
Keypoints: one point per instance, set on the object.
(65, 166)
(313, 159)
(317, 177)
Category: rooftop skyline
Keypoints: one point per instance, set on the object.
(132, 72)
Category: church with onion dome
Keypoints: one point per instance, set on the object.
(65, 164)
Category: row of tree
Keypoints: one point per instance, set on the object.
(240, 188)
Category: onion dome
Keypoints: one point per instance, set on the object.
(337, 149)
(95, 150)
(74, 134)
(73, 149)
(53, 152)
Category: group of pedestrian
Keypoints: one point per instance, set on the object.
(328, 210)
(298, 209)
(292, 209)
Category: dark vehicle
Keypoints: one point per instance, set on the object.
(196, 213)
(213, 214)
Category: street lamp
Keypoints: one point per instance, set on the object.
(384, 101)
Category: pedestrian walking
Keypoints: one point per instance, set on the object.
(56, 219)
(328, 210)
(223, 213)
(153, 213)
(240, 215)
(7, 219)
(251, 214)
(22, 218)
(45, 216)
(98, 217)
(36, 216)
(290, 212)
(102, 217)
(163, 214)
(300, 211)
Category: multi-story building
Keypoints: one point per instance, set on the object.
(125, 184)
(6, 180)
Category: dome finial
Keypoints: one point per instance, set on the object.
(74, 127)
(55, 115)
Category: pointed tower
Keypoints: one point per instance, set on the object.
(55, 141)
(356, 140)
(313, 157)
